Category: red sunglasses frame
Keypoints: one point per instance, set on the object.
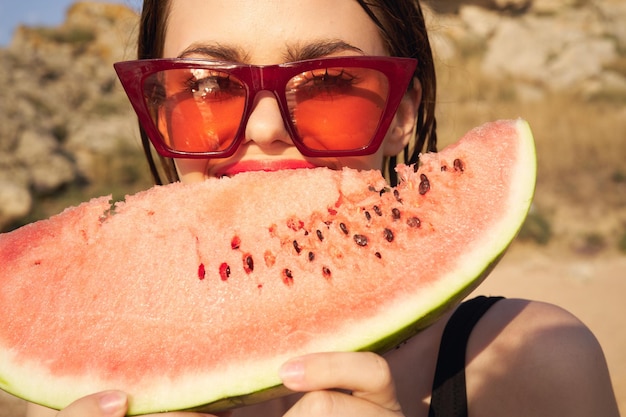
(273, 78)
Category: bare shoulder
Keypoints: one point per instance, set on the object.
(531, 358)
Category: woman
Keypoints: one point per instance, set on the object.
(522, 358)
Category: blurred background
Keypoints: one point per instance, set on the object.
(68, 134)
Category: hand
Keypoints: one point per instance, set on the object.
(365, 375)
(102, 404)
(110, 404)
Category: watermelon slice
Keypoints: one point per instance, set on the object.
(187, 295)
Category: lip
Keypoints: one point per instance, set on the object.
(262, 165)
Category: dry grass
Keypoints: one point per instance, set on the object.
(581, 151)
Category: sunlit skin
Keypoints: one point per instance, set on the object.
(523, 358)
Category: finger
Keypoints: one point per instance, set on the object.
(112, 404)
(365, 374)
(336, 404)
(103, 404)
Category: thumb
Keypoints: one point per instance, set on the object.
(102, 404)
(364, 374)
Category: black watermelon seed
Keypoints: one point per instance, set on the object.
(361, 240)
(396, 194)
(326, 272)
(224, 271)
(320, 236)
(413, 222)
(297, 247)
(424, 184)
(388, 235)
(343, 228)
(248, 263)
(287, 277)
(368, 216)
(377, 210)
(459, 165)
(378, 255)
(395, 213)
(311, 256)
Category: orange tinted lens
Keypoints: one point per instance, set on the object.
(196, 110)
(337, 108)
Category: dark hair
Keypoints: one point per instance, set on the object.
(403, 29)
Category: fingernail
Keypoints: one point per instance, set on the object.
(111, 402)
(292, 371)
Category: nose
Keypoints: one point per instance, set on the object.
(266, 126)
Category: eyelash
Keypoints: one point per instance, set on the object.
(211, 85)
(217, 86)
(327, 80)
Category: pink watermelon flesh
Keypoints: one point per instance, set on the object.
(185, 295)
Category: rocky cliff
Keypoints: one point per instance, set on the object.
(62, 109)
(67, 132)
(540, 45)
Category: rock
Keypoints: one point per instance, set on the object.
(556, 54)
(61, 98)
(103, 135)
(15, 202)
(516, 52)
(550, 7)
(100, 137)
(33, 145)
(51, 173)
(613, 17)
(579, 61)
(12, 170)
(609, 85)
(42, 157)
(514, 6)
(479, 21)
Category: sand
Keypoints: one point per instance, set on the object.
(589, 286)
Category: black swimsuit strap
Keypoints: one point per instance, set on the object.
(449, 398)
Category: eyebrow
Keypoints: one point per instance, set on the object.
(318, 49)
(293, 52)
(214, 51)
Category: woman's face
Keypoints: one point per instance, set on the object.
(272, 32)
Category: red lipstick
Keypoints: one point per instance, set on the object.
(262, 165)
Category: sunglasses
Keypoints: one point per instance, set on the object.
(192, 108)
